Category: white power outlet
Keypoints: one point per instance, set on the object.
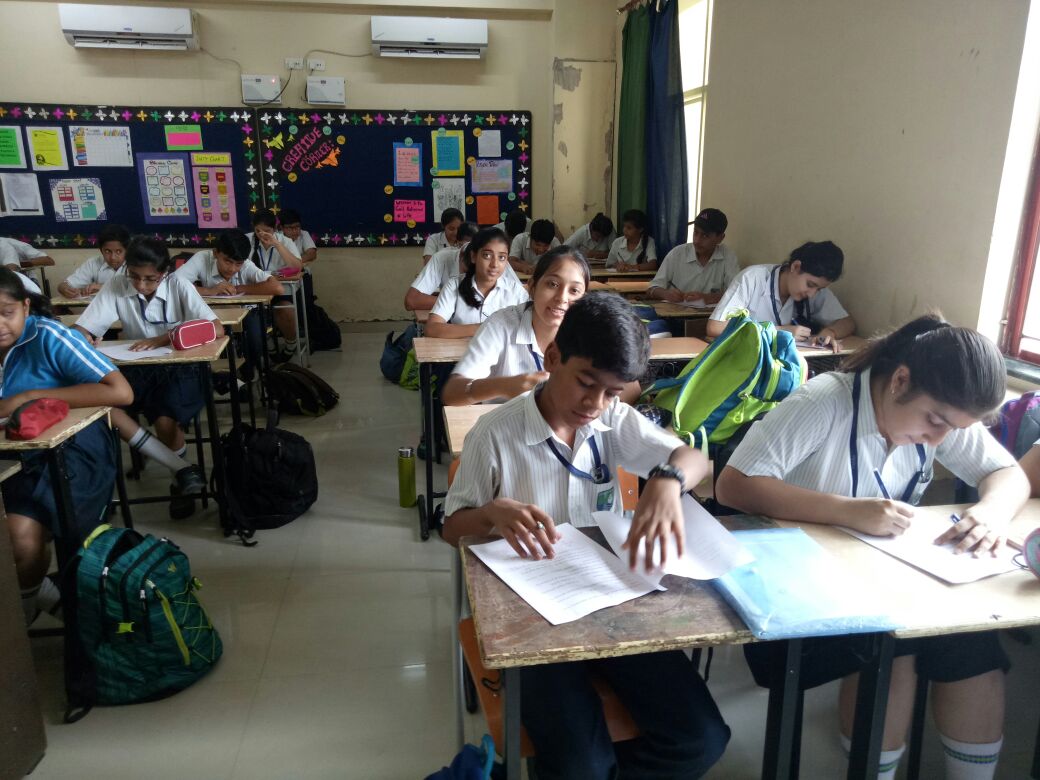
(294, 63)
(316, 64)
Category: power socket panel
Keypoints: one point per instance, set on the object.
(294, 63)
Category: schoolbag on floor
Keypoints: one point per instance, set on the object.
(395, 352)
(269, 476)
(324, 332)
(131, 611)
(746, 371)
(298, 390)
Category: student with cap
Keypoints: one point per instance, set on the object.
(700, 270)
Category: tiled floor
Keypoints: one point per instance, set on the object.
(336, 637)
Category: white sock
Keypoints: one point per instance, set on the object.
(290, 345)
(29, 604)
(888, 763)
(970, 760)
(182, 453)
(150, 447)
(49, 595)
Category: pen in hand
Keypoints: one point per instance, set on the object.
(881, 484)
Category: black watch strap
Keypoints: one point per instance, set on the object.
(671, 472)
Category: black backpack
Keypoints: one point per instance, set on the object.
(324, 333)
(395, 352)
(297, 390)
(270, 477)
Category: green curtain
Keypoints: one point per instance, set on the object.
(635, 100)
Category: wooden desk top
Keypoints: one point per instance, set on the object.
(77, 420)
(422, 316)
(207, 353)
(682, 348)
(230, 316)
(429, 350)
(36, 262)
(238, 300)
(61, 300)
(849, 344)
(674, 310)
(609, 274)
(68, 320)
(626, 287)
(459, 420)
(8, 468)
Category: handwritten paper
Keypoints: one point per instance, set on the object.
(916, 547)
(448, 194)
(164, 188)
(20, 195)
(77, 200)
(448, 158)
(405, 210)
(698, 303)
(214, 190)
(581, 579)
(12, 153)
(487, 210)
(710, 550)
(122, 352)
(47, 149)
(183, 137)
(489, 143)
(493, 176)
(101, 145)
(408, 165)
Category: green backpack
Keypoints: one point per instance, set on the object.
(746, 371)
(140, 633)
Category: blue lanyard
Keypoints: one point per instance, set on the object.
(538, 365)
(801, 314)
(600, 474)
(144, 305)
(854, 450)
(260, 254)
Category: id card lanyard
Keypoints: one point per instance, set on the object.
(538, 365)
(919, 475)
(774, 298)
(600, 474)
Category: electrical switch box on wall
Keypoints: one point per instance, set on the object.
(261, 89)
(326, 90)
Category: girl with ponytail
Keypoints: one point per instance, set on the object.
(635, 249)
(856, 448)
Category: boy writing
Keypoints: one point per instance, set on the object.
(548, 457)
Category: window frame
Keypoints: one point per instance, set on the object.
(690, 97)
(1025, 270)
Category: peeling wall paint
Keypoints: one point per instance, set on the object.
(567, 77)
(561, 147)
(557, 113)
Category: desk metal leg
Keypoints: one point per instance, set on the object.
(871, 702)
(206, 381)
(265, 360)
(511, 726)
(236, 403)
(456, 647)
(65, 546)
(781, 720)
(305, 344)
(425, 502)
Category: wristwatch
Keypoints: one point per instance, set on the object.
(670, 472)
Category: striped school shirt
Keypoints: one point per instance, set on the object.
(504, 345)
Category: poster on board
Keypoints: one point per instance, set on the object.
(12, 152)
(101, 146)
(47, 149)
(77, 200)
(165, 190)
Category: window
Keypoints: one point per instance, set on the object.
(1022, 334)
(694, 28)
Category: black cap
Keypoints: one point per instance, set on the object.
(711, 221)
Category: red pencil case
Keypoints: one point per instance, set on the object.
(193, 333)
(286, 272)
(34, 417)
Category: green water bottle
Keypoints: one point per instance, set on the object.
(406, 476)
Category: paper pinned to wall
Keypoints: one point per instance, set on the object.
(214, 191)
(448, 156)
(493, 176)
(164, 188)
(489, 144)
(47, 149)
(12, 152)
(407, 165)
(405, 210)
(448, 194)
(487, 210)
(77, 200)
(101, 145)
(183, 137)
(20, 195)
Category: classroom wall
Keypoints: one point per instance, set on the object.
(881, 126)
(525, 38)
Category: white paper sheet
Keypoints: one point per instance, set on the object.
(448, 193)
(228, 295)
(122, 352)
(581, 579)
(697, 304)
(710, 552)
(20, 195)
(917, 548)
(489, 143)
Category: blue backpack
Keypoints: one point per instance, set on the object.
(472, 763)
(395, 353)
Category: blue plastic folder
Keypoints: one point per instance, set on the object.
(794, 588)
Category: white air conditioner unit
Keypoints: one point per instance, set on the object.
(128, 27)
(424, 36)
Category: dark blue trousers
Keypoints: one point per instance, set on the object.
(252, 343)
(683, 733)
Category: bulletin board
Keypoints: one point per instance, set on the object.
(180, 173)
(381, 178)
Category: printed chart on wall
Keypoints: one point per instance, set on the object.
(179, 173)
(382, 178)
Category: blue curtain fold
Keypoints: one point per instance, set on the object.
(666, 168)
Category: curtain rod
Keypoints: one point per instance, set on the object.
(635, 4)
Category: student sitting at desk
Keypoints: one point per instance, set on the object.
(834, 452)
(594, 238)
(44, 359)
(151, 301)
(505, 357)
(450, 221)
(526, 248)
(467, 301)
(549, 457)
(271, 251)
(227, 270)
(515, 223)
(444, 265)
(20, 254)
(290, 221)
(701, 270)
(93, 273)
(634, 249)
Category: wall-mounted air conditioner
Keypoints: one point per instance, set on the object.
(128, 27)
(423, 36)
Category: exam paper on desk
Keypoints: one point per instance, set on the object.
(123, 352)
(697, 303)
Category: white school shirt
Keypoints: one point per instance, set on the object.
(270, 260)
(455, 310)
(304, 242)
(804, 441)
(504, 345)
(435, 243)
(619, 252)
(757, 289)
(521, 247)
(444, 265)
(506, 456)
(14, 251)
(175, 301)
(201, 268)
(680, 269)
(582, 239)
(527, 226)
(93, 271)
(29, 284)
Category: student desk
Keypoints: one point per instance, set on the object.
(422, 316)
(458, 420)
(849, 344)
(677, 348)
(293, 286)
(609, 275)
(624, 287)
(675, 311)
(72, 303)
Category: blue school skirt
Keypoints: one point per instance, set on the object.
(165, 391)
(91, 465)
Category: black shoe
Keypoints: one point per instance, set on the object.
(221, 382)
(181, 507)
(190, 479)
(420, 451)
(282, 356)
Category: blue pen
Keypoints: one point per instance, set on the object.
(881, 484)
(955, 518)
